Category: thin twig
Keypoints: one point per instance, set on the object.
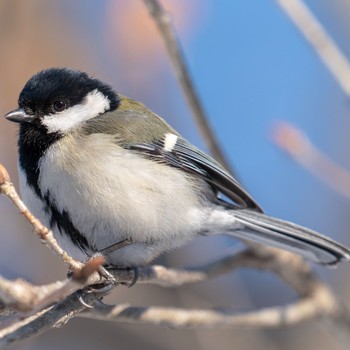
(317, 36)
(163, 21)
(46, 235)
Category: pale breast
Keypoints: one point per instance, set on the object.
(113, 194)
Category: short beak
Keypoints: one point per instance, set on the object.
(19, 116)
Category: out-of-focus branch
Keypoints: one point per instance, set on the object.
(317, 36)
(275, 317)
(301, 150)
(167, 31)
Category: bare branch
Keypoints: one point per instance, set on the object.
(317, 300)
(301, 150)
(163, 21)
(317, 36)
(317, 305)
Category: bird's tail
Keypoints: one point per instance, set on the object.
(311, 245)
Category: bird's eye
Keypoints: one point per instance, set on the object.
(59, 105)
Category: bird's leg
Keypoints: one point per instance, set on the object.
(113, 247)
(108, 279)
(110, 249)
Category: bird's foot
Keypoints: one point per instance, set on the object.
(136, 274)
(107, 280)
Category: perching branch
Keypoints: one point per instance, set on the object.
(316, 300)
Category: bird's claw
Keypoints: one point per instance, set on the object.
(136, 276)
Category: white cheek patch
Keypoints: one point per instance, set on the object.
(94, 104)
(169, 142)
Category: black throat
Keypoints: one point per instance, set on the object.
(33, 143)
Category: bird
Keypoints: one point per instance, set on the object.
(108, 176)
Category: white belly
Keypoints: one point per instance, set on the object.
(112, 194)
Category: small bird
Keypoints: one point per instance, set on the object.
(110, 177)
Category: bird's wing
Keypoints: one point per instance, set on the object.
(178, 152)
(160, 142)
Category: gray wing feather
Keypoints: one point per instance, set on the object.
(217, 176)
(189, 158)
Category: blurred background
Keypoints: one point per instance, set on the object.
(252, 68)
